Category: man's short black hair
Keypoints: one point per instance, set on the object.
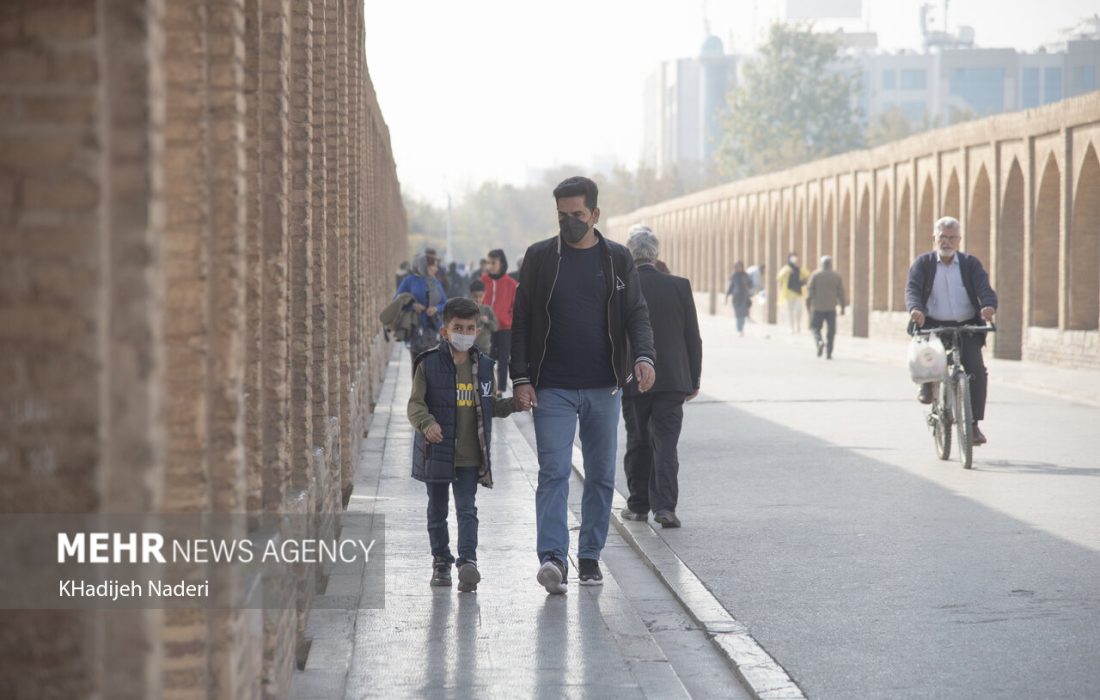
(460, 307)
(578, 185)
(477, 286)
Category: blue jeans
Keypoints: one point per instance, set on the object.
(465, 489)
(555, 426)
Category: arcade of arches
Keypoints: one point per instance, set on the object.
(1025, 185)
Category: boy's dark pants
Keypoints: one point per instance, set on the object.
(465, 489)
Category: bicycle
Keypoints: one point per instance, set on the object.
(951, 400)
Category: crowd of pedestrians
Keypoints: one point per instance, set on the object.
(586, 329)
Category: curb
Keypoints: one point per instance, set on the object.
(761, 674)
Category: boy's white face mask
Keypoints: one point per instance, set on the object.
(462, 342)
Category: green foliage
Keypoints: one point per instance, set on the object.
(794, 105)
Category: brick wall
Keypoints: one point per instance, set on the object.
(199, 220)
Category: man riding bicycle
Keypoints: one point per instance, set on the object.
(950, 288)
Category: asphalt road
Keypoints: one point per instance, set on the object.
(816, 511)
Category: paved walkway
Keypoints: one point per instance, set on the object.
(510, 639)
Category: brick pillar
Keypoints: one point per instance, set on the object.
(343, 251)
(254, 268)
(300, 254)
(333, 279)
(279, 621)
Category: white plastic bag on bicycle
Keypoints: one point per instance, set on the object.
(927, 359)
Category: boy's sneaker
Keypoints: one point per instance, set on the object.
(441, 572)
(627, 514)
(552, 576)
(589, 573)
(468, 577)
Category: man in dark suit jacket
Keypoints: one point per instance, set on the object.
(950, 288)
(653, 419)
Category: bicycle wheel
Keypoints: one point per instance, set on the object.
(964, 423)
(941, 424)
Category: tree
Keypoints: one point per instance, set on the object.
(795, 105)
(887, 126)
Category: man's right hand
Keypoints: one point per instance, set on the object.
(434, 434)
(917, 318)
(525, 395)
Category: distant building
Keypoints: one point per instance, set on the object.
(952, 74)
(683, 104)
(684, 99)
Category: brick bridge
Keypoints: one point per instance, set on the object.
(1026, 187)
(201, 218)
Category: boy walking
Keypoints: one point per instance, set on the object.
(452, 407)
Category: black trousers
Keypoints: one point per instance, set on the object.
(829, 319)
(653, 423)
(502, 353)
(973, 363)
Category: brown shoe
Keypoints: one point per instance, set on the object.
(925, 395)
(977, 438)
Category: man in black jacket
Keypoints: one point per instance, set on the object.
(653, 419)
(949, 288)
(580, 332)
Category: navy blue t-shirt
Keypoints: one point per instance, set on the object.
(578, 352)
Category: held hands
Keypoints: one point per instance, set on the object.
(434, 434)
(418, 307)
(523, 397)
(987, 313)
(431, 311)
(645, 375)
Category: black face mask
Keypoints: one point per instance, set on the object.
(572, 229)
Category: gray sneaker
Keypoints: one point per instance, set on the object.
(552, 576)
(667, 518)
(468, 577)
(627, 514)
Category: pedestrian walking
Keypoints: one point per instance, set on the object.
(824, 292)
(740, 290)
(500, 294)
(792, 280)
(452, 406)
(488, 324)
(654, 418)
(947, 287)
(428, 299)
(580, 332)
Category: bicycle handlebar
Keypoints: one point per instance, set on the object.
(988, 328)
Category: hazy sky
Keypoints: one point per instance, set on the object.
(498, 89)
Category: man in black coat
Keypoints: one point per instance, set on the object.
(653, 420)
(950, 288)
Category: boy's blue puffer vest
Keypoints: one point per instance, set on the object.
(436, 463)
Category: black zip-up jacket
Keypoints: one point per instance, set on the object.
(627, 315)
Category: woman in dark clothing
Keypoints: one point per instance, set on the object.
(741, 290)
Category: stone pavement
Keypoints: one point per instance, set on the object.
(510, 639)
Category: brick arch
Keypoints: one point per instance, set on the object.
(1044, 258)
(859, 278)
(976, 229)
(880, 271)
(775, 258)
(799, 234)
(951, 198)
(828, 227)
(903, 249)
(843, 238)
(1084, 247)
(1008, 275)
(926, 216)
(813, 233)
